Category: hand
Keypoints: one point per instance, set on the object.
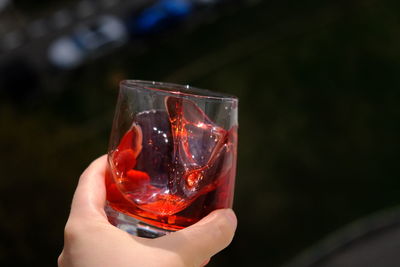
(90, 240)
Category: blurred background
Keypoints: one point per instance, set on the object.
(319, 90)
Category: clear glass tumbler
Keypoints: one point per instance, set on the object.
(171, 158)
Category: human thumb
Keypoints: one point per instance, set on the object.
(197, 243)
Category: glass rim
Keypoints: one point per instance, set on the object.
(175, 89)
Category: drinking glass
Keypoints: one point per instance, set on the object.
(171, 157)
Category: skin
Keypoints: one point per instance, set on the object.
(90, 240)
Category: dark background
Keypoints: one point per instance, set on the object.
(318, 84)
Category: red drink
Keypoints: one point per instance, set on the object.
(172, 167)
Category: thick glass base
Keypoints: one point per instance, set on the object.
(132, 225)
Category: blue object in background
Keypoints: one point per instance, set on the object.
(160, 15)
(87, 40)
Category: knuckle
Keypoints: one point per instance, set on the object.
(71, 231)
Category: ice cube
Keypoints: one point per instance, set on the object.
(196, 134)
(155, 158)
(198, 146)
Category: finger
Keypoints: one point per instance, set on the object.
(197, 243)
(206, 262)
(90, 194)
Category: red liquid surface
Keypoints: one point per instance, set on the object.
(172, 167)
